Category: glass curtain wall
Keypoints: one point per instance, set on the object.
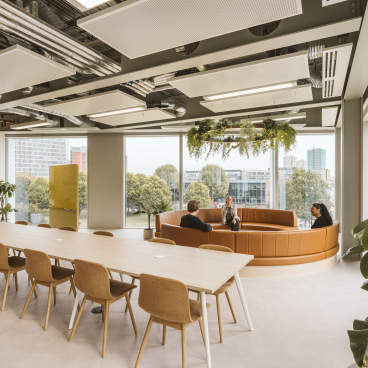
(28, 162)
(151, 177)
(307, 175)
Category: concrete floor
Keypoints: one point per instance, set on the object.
(298, 322)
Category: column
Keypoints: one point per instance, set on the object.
(338, 175)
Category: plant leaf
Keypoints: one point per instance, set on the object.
(365, 239)
(360, 325)
(365, 286)
(359, 227)
(364, 266)
(353, 250)
(358, 345)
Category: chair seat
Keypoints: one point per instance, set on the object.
(195, 309)
(59, 273)
(15, 262)
(224, 287)
(118, 288)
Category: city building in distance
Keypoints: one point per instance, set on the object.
(78, 155)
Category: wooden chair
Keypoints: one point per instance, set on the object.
(9, 266)
(152, 240)
(68, 228)
(92, 279)
(39, 268)
(168, 303)
(105, 233)
(21, 222)
(223, 288)
(45, 225)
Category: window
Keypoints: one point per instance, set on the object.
(28, 162)
(307, 175)
(151, 177)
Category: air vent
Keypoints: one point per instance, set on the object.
(335, 65)
(140, 27)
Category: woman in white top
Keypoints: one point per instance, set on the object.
(229, 214)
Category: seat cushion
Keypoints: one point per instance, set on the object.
(195, 309)
(118, 288)
(59, 273)
(218, 226)
(15, 262)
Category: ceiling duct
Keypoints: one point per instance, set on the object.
(24, 112)
(315, 49)
(315, 78)
(180, 108)
(187, 49)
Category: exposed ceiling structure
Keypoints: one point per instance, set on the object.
(163, 65)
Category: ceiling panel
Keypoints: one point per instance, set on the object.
(20, 68)
(280, 97)
(329, 115)
(136, 117)
(157, 25)
(100, 102)
(331, 2)
(275, 70)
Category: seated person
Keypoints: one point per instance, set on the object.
(191, 220)
(229, 214)
(320, 211)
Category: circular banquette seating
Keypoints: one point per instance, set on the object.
(272, 236)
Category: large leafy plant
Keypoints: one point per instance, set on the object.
(5, 210)
(6, 190)
(358, 336)
(153, 209)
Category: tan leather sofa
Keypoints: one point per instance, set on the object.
(277, 241)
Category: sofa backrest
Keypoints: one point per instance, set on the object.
(278, 217)
(332, 235)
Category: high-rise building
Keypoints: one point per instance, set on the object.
(302, 164)
(289, 162)
(78, 155)
(316, 159)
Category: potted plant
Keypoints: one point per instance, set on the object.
(5, 210)
(6, 190)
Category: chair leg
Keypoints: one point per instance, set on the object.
(130, 294)
(103, 313)
(16, 280)
(219, 315)
(73, 286)
(230, 305)
(14, 252)
(48, 306)
(54, 294)
(183, 347)
(106, 323)
(201, 327)
(7, 277)
(131, 313)
(164, 335)
(111, 277)
(144, 342)
(35, 292)
(78, 318)
(29, 298)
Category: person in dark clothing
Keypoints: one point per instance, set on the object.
(191, 220)
(320, 211)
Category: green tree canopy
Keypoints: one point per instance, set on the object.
(304, 189)
(82, 191)
(134, 185)
(22, 181)
(199, 192)
(170, 174)
(155, 190)
(38, 193)
(214, 178)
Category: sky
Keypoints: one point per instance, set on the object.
(145, 154)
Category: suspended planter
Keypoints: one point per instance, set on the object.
(211, 138)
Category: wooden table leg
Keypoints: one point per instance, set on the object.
(205, 327)
(242, 298)
(75, 307)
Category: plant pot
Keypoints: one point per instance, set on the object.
(148, 234)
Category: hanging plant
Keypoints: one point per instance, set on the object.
(211, 138)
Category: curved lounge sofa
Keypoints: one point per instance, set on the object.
(272, 236)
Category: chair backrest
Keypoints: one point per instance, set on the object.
(164, 298)
(21, 222)
(219, 248)
(4, 264)
(104, 233)
(92, 279)
(68, 228)
(162, 241)
(45, 225)
(38, 265)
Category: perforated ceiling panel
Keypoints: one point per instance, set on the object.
(275, 70)
(136, 117)
(20, 68)
(281, 97)
(329, 115)
(140, 27)
(335, 66)
(100, 102)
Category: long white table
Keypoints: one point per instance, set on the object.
(199, 269)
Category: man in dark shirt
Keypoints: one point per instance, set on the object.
(191, 220)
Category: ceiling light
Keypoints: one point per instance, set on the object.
(118, 112)
(31, 124)
(280, 118)
(91, 3)
(249, 91)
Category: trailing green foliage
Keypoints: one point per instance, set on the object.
(6, 190)
(211, 138)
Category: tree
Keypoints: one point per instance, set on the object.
(170, 174)
(134, 185)
(214, 177)
(22, 181)
(82, 191)
(304, 189)
(155, 190)
(199, 192)
(38, 193)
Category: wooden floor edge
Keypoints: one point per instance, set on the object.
(289, 270)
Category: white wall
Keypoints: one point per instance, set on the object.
(365, 171)
(2, 157)
(105, 181)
